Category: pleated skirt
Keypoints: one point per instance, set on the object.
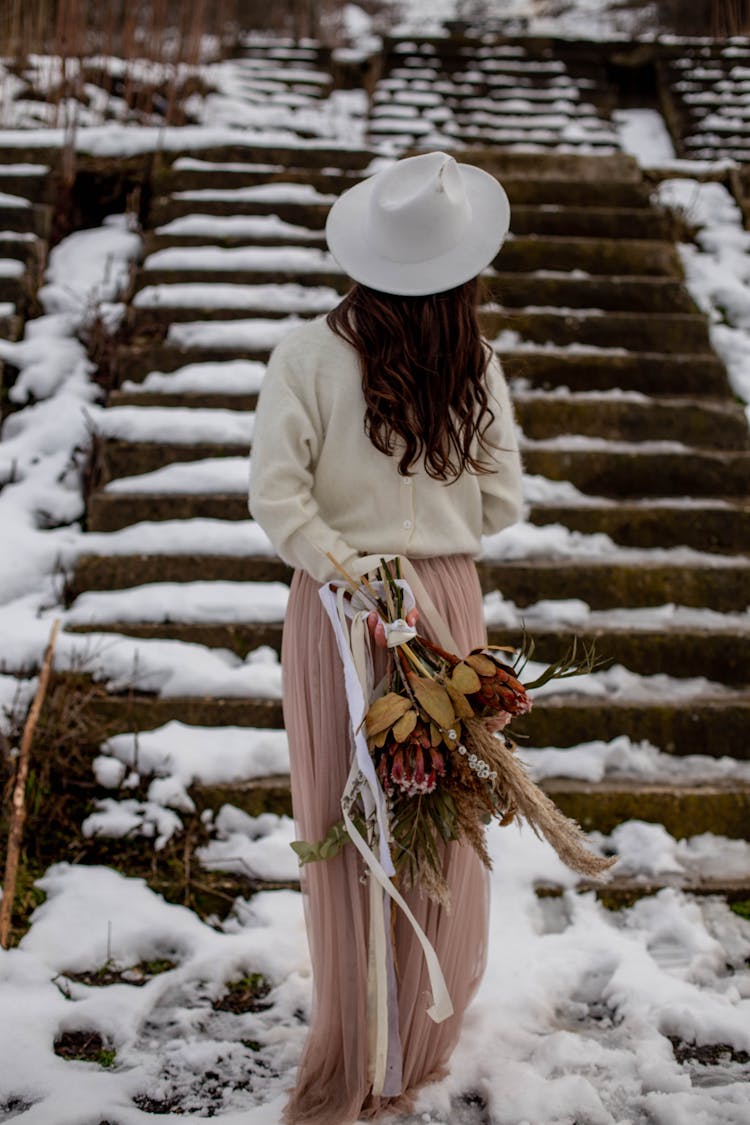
(332, 1085)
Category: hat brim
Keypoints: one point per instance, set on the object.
(350, 245)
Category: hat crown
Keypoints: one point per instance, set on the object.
(419, 208)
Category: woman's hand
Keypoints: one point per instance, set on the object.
(377, 628)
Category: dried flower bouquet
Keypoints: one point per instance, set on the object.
(444, 771)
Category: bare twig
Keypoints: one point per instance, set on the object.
(18, 800)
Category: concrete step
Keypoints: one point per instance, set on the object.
(35, 219)
(201, 175)
(621, 892)
(617, 472)
(707, 423)
(717, 527)
(667, 332)
(678, 727)
(716, 581)
(634, 473)
(521, 190)
(197, 401)
(592, 222)
(13, 289)
(582, 169)
(615, 294)
(520, 254)
(584, 221)
(23, 247)
(683, 810)
(316, 155)
(11, 326)
(651, 373)
(648, 294)
(597, 806)
(129, 458)
(30, 181)
(722, 655)
(294, 235)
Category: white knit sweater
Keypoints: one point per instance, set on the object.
(318, 484)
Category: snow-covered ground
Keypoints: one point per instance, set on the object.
(572, 1021)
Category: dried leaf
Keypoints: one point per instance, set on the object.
(481, 664)
(385, 712)
(435, 736)
(461, 705)
(434, 698)
(379, 739)
(465, 679)
(405, 725)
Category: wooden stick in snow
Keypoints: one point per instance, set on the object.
(18, 800)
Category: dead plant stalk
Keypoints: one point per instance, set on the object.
(18, 800)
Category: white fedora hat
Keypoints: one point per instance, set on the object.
(424, 225)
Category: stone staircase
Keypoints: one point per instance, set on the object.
(25, 218)
(447, 92)
(630, 431)
(705, 86)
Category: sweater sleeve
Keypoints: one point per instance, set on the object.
(502, 490)
(285, 448)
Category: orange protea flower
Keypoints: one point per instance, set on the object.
(499, 689)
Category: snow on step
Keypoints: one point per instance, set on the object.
(647, 850)
(554, 540)
(23, 169)
(281, 75)
(195, 755)
(621, 758)
(179, 537)
(192, 602)
(618, 683)
(289, 259)
(170, 668)
(195, 164)
(256, 846)
(163, 667)
(574, 442)
(218, 475)
(287, 298)
(235, 376)
(258, 193)
(8, 200)
(180, 424)
(237, 226)
(255, 332)
(573, 612)
(12, 267)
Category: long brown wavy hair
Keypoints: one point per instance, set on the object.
(423, 365)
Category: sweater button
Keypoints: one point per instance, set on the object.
(407, 524)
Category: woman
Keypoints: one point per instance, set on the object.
(384, 428)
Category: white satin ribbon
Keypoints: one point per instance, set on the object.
(354, 648)
(398, 632)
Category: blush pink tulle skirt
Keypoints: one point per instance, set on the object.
(332, 1082)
